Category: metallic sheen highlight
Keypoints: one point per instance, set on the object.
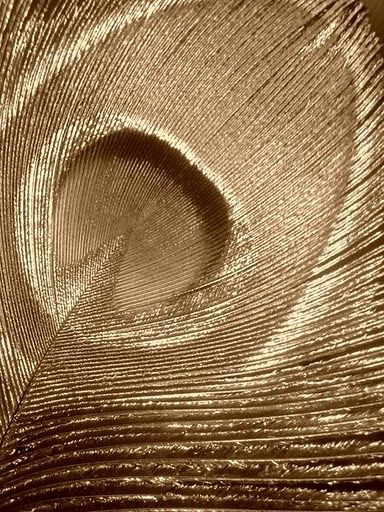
(191, 256)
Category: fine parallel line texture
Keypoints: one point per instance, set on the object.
(191, 256)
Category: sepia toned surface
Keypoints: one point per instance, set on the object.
(191, 256)
(376, 12)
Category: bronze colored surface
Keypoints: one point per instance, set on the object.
(376, 13)
(191, 256)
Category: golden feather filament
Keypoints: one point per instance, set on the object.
(191, 256)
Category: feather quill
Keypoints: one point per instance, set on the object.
(191, 258)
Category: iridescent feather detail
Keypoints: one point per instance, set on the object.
(191, 256)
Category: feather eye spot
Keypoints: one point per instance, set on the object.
(171, 221)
